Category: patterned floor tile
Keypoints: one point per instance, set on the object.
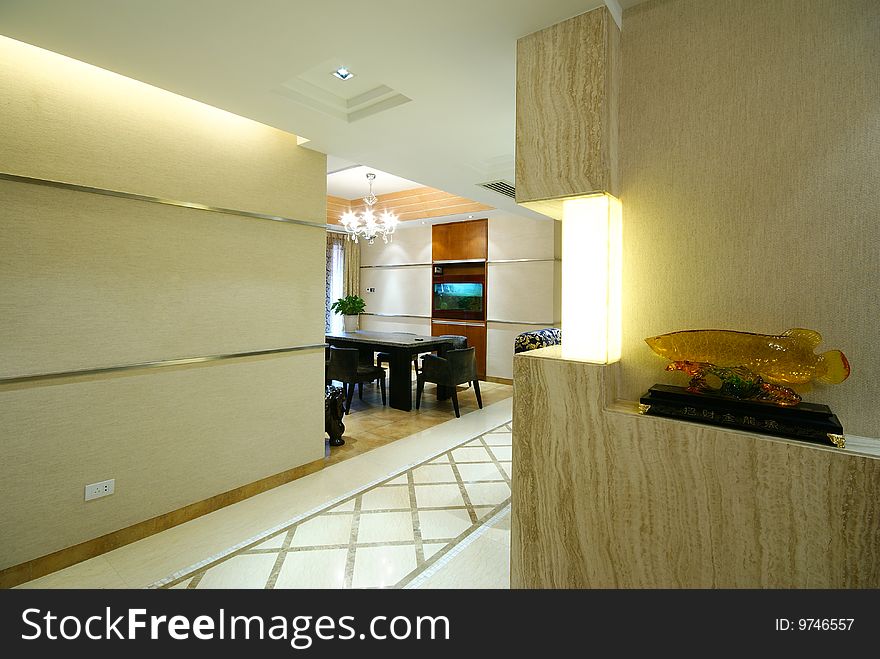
(385, 527)
(501, 452)
(382, 567)
(242, 571)
(481, 471)
(488, 494)
(323, 530)
(441, 473)
(382, 536)
(438, 496)
(320, 568)
(386, 498)
(471, 454)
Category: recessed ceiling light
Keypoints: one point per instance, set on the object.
(343, 74)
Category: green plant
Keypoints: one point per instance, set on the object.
(350, 305)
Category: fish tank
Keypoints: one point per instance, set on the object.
(458, 300)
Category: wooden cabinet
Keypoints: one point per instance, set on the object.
(567, 79)
(460, 241)
(463, 241)
(476, 336)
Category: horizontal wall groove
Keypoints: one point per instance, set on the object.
(490, 262)
(393, 315)
(438, 321)
(397, 265)
(20, 379)
(453, 261)
(523, 322)
(132, 196)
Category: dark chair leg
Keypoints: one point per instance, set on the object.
(455, 403)
(477, 391)
(349, 396)
(382, 385)
(420, 386)
(361, 390)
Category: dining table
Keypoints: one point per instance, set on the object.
(401, 347)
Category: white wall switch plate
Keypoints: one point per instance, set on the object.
(102, 489)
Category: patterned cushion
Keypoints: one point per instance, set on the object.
(535, 339)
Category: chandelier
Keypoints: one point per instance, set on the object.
(368, 224)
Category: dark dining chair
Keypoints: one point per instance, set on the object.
(344, 366)
(455, 368)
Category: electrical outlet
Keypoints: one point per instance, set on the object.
(102, 489)
(371, 289)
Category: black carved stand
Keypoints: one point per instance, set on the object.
(807, 422)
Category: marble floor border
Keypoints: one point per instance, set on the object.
(197, 570)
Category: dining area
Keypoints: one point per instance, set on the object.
(361, 357)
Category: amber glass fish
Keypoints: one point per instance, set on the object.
(784, 359)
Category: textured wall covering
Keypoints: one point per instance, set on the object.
(88, 281)
(89, 126)
(750, 133)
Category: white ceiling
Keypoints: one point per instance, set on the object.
(445, 71)
(352, 183)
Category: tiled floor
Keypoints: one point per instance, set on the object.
(427, 510)
(370, 424)
(386, 535)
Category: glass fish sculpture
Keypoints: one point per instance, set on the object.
(751, 366)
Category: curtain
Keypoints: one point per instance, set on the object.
(343, 276)
(352, 268)
(335, 282)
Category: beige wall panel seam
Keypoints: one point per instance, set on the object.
(154, 200)
(186, 361)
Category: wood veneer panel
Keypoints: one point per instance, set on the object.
(604, 498)
(566, 108)
(460, 241)
(414, 204)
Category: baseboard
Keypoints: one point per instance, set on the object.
(38, 567)
(490, 378)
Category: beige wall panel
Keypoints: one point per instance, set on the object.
(499, 347)
(88, 281)
(411, 244)
(607, 498)
(68, 121)
(398, 290)
(750, 185)
(169, 437)
(420, 326)
(514, 237)
(522, 291)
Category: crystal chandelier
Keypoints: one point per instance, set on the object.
(368, 225)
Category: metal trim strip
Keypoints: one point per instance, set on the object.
(154, 200)
(18, 379)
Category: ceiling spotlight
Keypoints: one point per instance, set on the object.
(343, 74)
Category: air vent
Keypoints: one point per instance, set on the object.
(501, 187)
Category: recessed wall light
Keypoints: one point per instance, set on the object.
(343, 73)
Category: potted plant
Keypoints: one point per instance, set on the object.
(349, 306)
